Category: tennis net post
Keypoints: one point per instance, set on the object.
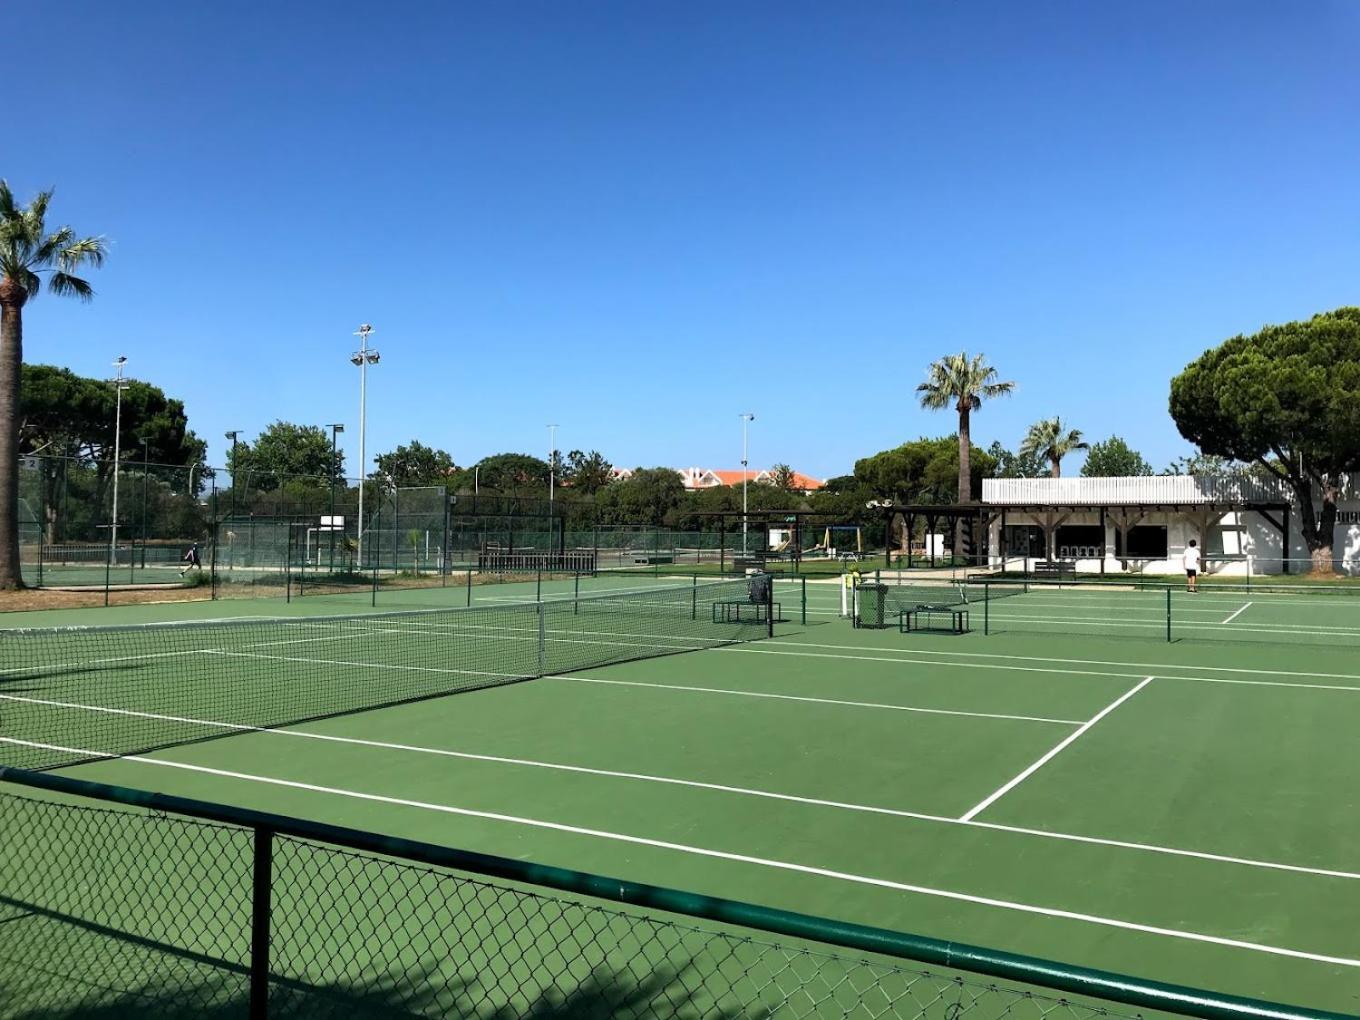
(1168, 614)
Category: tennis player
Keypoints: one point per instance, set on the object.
(191, 560)
(1190, 560)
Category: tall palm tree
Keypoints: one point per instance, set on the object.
(27, 250)
(1053, 441)
(961, 382)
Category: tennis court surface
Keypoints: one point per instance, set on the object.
(1071, 785)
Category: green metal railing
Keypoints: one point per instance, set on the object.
(152, 904)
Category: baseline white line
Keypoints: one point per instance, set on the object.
(817, 701)
(1140, 666)
(761, 650)
(1238, 612)
(765, 862)
(1067, 741)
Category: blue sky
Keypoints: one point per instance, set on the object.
(639, 219)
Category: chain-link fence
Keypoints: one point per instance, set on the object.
(204, 910)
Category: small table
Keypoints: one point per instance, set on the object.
(730, 611)
(923, 618)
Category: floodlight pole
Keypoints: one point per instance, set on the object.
(146, 470)
(746, 420)
(363, 357)
(336, 429)
(118, 384)
(234, 444)
(552, 466)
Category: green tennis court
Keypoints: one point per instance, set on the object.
(1070, 785)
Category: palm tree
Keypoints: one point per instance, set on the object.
(26, 250)
(1053, 441)
(962, 382)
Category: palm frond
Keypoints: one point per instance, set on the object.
(7, 209)
(65, 284)
(86, 251)
(47, 250)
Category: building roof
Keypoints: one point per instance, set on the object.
(708, 478)
(1179, 489)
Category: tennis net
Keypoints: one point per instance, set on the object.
(82, 693)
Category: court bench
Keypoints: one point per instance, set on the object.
(924, 618)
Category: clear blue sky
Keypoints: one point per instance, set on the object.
(639, 219)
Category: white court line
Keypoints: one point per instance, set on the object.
(765, 862)
(696, 784)
(1140, 666)
(1065, 742)
(1238, 612)
(1353, 689)
(819, 701)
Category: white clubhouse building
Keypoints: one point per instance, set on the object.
(1119, 525)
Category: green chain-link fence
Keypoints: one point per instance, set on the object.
(167, 907)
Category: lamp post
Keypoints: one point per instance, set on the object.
(146, 471)
(746, 420)
(119, 384)
(363, 357)
(336, 429)
(552, 482)
(234, 444)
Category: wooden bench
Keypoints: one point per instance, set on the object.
(647, 559)
(924, 617)
(1057, 570)
(730, 611)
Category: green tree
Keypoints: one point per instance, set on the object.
(922, 471)
(285, 451)
(27, 251)
(416, 464)
(1286, 399)
(650, 496)
(1050, 439)
(1114, 458)
(513, 474)
(1015, 465)
(588, 473)
(72, 417)
(962, 383)
(1200, 464)
(782, 477)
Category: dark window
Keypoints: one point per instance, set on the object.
(1146, 541)
(1080, 541)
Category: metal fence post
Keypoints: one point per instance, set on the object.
(542, 640)
(769, 605)
(260, 905)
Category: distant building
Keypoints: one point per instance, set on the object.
(711, 478)
(1243, 525)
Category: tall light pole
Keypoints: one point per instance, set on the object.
(119, 384)
(234, 467)
(552, 481)
(146, 471)
(746, 420)
(552, 463)
(336, 429)
(363, 357)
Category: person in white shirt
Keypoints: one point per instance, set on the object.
(1190, 560)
